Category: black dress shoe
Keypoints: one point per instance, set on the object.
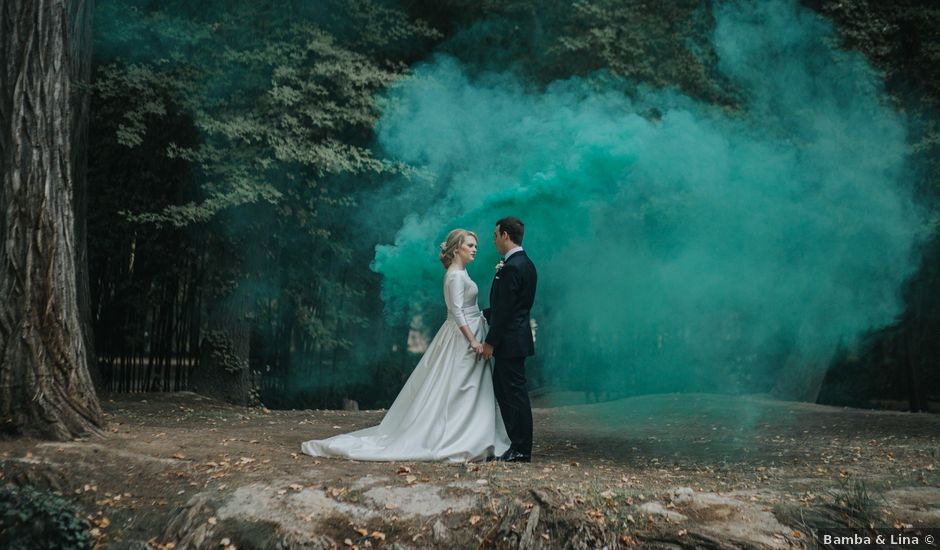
(515, 456)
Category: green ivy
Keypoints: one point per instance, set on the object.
(32, 519)
(223, 352)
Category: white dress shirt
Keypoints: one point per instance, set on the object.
(511, 252)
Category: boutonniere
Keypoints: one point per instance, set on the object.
(500, 265)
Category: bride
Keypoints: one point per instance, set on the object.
(447, 409)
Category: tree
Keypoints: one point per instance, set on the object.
(283, 101)
(45, 385)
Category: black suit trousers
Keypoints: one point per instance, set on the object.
(513, 398)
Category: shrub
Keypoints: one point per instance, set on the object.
(32, 519)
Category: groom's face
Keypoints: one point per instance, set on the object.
(501, 240)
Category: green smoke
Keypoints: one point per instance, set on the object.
(680, 246)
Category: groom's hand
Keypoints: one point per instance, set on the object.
(487, 351)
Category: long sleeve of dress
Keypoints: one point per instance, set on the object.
(453, 297)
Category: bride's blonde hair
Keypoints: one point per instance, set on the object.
(452, 243)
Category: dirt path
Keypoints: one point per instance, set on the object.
(179, 470)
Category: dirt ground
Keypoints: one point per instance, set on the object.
(183, 471)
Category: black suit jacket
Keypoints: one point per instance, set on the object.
(511, 298)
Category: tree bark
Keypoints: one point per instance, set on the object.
(223, 363)
(45, 386)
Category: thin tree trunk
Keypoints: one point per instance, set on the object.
(80, 43)
(45, 386)
(916, 392)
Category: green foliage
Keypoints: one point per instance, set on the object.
(268, 114)
(32, 519)
(901, 40)
(660, 44)
(663, 44)
(276, 115)
(220, 347)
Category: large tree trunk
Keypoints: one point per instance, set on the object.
(223, 362)
(45, 387)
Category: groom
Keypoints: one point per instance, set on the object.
(510, 336)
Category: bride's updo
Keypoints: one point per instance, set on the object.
(452, 243)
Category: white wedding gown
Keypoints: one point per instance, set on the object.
(447, 409)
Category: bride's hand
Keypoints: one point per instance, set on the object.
(477, 347)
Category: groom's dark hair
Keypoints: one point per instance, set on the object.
(513, 226)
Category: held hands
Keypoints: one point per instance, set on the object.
(484, 351)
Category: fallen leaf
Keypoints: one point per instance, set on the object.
(390, 506)
(334, 492)
(475, 519)
(378, 535)
(362, 531)
(179, 456)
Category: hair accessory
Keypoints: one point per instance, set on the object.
(443, 246)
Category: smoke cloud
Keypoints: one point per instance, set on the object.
(680, 246)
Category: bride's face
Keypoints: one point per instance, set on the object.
(468, 250)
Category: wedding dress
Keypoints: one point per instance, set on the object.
(447, 409)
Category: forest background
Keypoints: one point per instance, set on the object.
(236, 194)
